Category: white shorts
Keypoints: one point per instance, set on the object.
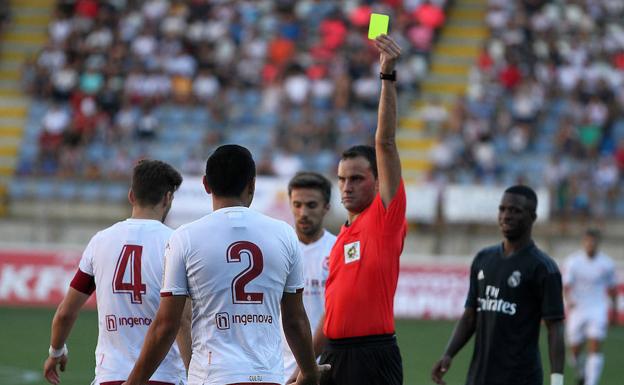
(585, 324)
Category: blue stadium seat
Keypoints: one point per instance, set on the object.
(90, 191)
(115, 192)
(46, 189)
(20, 189)
(68, 189)
(618, 130)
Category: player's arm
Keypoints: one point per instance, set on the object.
(62, 324)
(556, 348)
(318, 343)
(388, 162)
(464, 330)
(567, 290)
(568, 281)
(159, 339)
(613, 294)
(183, 339)
(299, 337)
(319, 339)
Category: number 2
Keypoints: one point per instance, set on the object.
(256, 263)
(130, 255)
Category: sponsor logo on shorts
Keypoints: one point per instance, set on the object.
(113, 322)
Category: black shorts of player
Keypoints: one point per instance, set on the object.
(370, 360)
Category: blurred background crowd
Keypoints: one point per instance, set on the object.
(297, 81)
(544, 105)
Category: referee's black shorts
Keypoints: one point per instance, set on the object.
(370, 360)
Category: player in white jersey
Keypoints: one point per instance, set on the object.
(239, 267)
(309, 195)
(123, 264)
(589, 282)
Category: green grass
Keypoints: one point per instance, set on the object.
(24, 337)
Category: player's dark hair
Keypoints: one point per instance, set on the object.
(229, 170)
(366, 152)
(526, 192)
(152, 179)
(593, 232)
(311, 180)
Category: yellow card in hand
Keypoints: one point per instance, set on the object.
(378, 25)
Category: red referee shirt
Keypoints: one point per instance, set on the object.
(364, 270)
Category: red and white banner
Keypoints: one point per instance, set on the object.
(424, 291)
(431, 291)
(438, 291)
(36, 278)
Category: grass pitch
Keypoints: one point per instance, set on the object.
(25, 335)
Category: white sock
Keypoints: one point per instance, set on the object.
(593, 368)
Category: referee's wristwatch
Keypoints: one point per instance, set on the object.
(391, 76)
(56, 353)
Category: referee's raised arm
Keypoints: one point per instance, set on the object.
(388, 162)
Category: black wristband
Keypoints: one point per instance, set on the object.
(390, 76)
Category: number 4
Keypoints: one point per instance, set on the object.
(130, 254)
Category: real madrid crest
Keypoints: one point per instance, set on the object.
(514, 279)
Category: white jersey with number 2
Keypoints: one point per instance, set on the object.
(236, 264)
(126, 262)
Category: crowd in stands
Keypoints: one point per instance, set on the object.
(545, 104)
(5, 14)
(117, 80)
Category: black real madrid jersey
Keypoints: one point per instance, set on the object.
(511, 295)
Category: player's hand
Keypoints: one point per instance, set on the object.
(293, 377)
(389, 52)
(49, 368)
(315, 378)
(440, 369)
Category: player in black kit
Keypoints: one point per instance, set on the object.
(513, 286)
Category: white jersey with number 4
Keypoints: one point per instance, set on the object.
(589, 279)
(315, 272)
(236, 264)
(126, 262)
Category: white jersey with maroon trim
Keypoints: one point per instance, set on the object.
(315, 272)
(126, 262)
(236, 264)
(588, 280)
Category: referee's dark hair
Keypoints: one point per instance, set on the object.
(229, 170)
(366, 152)
(311, 180)
(152, 180)
(526, 192)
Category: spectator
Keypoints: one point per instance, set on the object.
(186, 57)
(430, 15)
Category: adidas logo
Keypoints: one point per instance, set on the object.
(480, 276)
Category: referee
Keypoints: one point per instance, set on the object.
(364, 262)
(513, 287)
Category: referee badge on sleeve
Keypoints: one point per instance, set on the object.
(352, 252)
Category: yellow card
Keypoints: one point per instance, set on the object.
(378, 25)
